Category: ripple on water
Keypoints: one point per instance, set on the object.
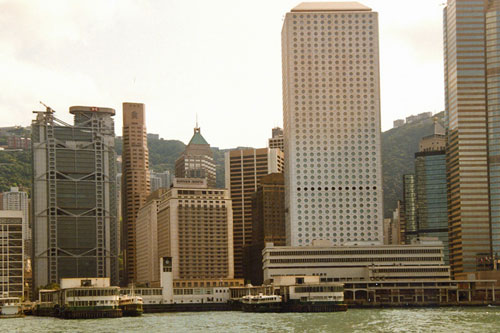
(355, 320)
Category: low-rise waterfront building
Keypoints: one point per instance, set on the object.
(360, 262)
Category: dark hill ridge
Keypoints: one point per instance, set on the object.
(398, 148)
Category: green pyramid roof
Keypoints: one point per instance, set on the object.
(197, 139)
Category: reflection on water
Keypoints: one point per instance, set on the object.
(485, 319)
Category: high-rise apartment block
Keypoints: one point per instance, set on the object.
(197, 160)
(159, 180)
(331, 109)
(75, 230)
(195, 229)
(410, 208)
(11, 254)
(277, 140)
(18, 200)
(243, 170)
(472, 77)
(268, 224)
(135, 180)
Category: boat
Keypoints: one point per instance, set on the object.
(131, 305)
(261, 303)
(10, 307)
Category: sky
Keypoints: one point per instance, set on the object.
(218, 61)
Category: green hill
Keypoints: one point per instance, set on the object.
(399, 146)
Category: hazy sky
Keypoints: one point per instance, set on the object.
(218, 59)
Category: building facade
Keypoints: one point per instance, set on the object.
(360, 262)
(277, 141)
(410, 208)
(18, 200)
(243, 170)
(135, 181)
(11, 254)
(147, 240)
(197, 160)
(159, 180)
(75, 230)
(471, 44)
(195, 229)
(268, 224)
(331, 108)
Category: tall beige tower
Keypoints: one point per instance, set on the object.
(331, 111)
(244, 169)
(135, 180)
(472, 77)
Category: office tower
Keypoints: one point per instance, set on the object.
(430, 184)
(135, 180)
(268, 224)
(391, 231)
(197, 160)
(471, 44)
(399, 215)
(277, 139)
(18, 200)
(11, 254)
(331, 112)
(243, 170)
(159, 180)
(147, 240)
(195, 228)
(74, 196)
(410, 208)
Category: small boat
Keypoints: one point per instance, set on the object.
(261, 303)
(10, 307)
(131, 305)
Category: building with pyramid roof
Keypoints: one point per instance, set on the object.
(197, 160)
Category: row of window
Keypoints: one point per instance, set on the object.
(350, 252)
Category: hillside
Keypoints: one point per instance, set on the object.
(399, 146)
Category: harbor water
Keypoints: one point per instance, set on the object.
(465, 319)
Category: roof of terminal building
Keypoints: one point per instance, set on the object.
(330, 7)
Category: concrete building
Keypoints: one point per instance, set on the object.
(147, 240)
(410, 208)
(391, 231)
(359, 262)
(197, 160)
(195, 229)
(331, 109)
(75, 230)
(277, 141)
(11, 254)
(471, 44)
(397, 123)
(18, 200)
(243, 170)
(135, 181)
(268, 224)
(159, 180)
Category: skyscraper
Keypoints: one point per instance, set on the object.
(410, 208)
(159, 180)
(472, 77)
(197, 160)
(243, 170)
(135, 180)
(331, 111)
(74, 196)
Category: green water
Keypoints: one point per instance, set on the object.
(486, 319)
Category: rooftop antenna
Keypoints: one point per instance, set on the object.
(197, 129)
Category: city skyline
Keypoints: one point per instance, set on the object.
(157, 62)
